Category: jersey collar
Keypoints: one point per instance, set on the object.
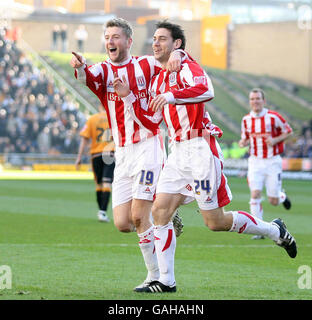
(258, 115)
(121, 64)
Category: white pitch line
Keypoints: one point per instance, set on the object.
(135, 245)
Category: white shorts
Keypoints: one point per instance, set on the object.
(194, 169)
(137, 169)
(266, 172)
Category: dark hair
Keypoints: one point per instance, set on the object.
(176, 31)
(258, 90)
(120, 23)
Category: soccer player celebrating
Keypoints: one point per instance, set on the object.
(139, 150)
(102, 148)
(264, 131)
(194, 166)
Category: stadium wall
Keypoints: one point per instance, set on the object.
(38, 34)
(276, 49)
(280, 50)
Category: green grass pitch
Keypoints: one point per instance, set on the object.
(56, 248)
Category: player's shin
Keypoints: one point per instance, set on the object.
(147, 246)
(99, 196)
(256, 208)
(165, 244)
(244, 222)
(106, 192)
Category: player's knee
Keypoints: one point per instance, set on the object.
(216, 219)
(156, 212)
(214, 225)
(137, 222)
(138, 218)
(161, 215)
(107, 187)
(123, 226)
(274, 201)
(256, 194)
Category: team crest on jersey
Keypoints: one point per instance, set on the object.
(172, 79)
(141, 82)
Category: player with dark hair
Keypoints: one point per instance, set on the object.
(194, 168)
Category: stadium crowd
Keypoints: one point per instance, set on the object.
(35, 115)
(301, 146)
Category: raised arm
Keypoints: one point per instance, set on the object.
(92, 76)
(191, 85)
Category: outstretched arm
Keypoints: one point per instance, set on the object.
(92, 76)
(191, 85)
(77, 60)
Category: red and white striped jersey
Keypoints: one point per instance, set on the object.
(257, 128)
(138, 72)
(189, 88)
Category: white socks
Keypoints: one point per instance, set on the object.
(147, 247)
(256, 208)
(282, 197)
(158, 245)
(244, 222)
(165, 244)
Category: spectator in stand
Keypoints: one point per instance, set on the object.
(12, 34)
(301, 146)
(307, 147)
(55, 37)
(63, 35)
(3, 121)
(103, 40)
(81, 35)
(33, 111)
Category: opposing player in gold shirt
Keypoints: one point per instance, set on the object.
(102, 149)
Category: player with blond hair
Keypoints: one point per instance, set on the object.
(139, 150)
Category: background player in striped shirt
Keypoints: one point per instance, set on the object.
(102, 149)
(194, 166)
(264, 131)
(139, 150)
